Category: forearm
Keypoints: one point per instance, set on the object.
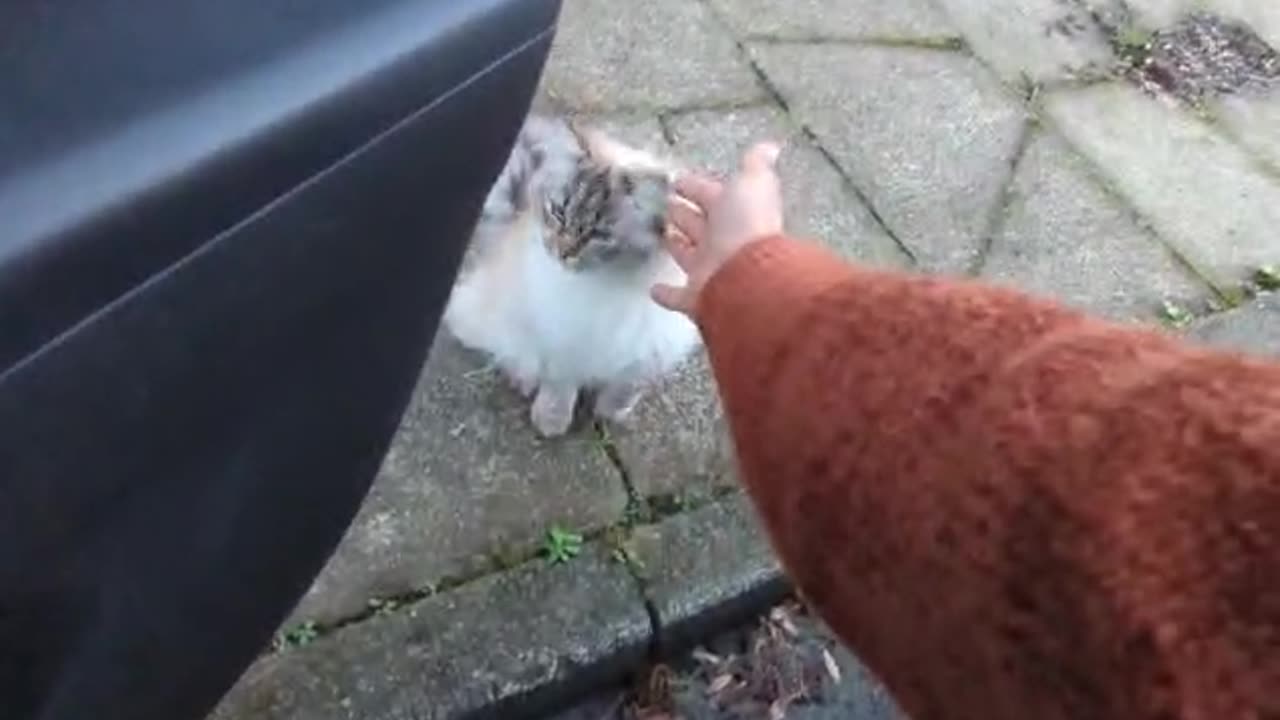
(970, 484)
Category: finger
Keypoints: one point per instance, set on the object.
(680, 247)
(761, 157)
(698, 189)
(687, 219)
(669, 297)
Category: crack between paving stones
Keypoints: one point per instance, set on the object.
(862, 197)
(636, 512)
(641, 511)
(810, 136)
(944, 43)
(999, 214)
(745, 55)
(649, 110)
(1106, 184)
(1045, 120)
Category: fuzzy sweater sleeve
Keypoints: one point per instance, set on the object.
(1007, 509)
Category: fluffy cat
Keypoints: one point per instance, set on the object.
(556, 285)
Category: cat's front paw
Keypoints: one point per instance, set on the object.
(552, 411)
(524, 383)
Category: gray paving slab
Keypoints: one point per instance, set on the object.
(1255, 120)
(1158, 13)
(1253, 328)
(928, 136)
(677, 442)
(1063, 236)
(707, 569)
(1043, 40)
(640, 130)
(660, 53)
(875, 19)
(531, 637)
(466, 478)
(1203, 194)
(819, 204)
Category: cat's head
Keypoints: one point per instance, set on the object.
(611, 210)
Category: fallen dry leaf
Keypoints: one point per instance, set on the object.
(833, 669)
(706, 657)
(782, 619)
(721, 683)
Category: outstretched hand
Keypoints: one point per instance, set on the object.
(710, 221)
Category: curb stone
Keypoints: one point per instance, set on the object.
(707, 571)
(527, 641)
(512, 645)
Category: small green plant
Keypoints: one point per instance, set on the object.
(1133, 38)
(299, 635)
(1132, 45)
(1174, 315)
(1267, 278)
(562, 545)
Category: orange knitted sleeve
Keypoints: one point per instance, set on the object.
(1007, 509)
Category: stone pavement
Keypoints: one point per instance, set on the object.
(1014, 140)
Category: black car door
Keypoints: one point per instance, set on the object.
(227, 230)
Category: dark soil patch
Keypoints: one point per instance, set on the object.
(1198, 58)
(1204, 56)
(785, 666)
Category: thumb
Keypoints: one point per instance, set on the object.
(669, 297)
(761, 157)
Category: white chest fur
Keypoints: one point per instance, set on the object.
(539, 319)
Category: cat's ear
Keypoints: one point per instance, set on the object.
(599, 147)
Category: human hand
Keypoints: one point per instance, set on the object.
(711, 221)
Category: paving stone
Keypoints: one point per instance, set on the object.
(928, 136)
(466, 477)
(638, 130)
(1255, 120)
(521, 640)
(707, 569)
(818, 203)
(1153, 14)
(1064, 236)
(1254, 328)
(904, 19)
(1043, 40)
(677, 441)
(662, 53)
(1200, 192)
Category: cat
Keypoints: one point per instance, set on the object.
(555, 288)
